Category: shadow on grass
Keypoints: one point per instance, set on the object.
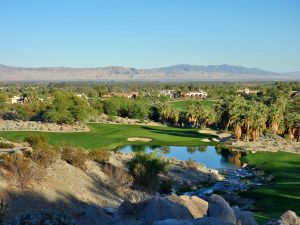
(178, 133)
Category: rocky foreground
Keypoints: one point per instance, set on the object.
(185, 210)
(98, 196)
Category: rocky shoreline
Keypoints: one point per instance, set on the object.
(271, 143)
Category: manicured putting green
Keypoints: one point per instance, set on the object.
(110, 136)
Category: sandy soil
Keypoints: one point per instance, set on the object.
(10, 125)
(120, 120)
(133, 139)
(89, 195)
(222, 136)
(84, 194)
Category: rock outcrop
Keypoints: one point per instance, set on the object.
(243, 217)
(220, 209)
(288, 218)
(183, 210)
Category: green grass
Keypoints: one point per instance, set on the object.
(182, 104)
(284, 192)
(109, 136)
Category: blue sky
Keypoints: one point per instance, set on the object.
(146, 34)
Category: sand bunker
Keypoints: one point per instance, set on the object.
(205, 140)
(132, 139)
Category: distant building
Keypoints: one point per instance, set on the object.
(20, 99)
(195, 94)
(82, 95)
(15, 99)
(294, 94)
(247, 91)
(119, 94)
(169, 93)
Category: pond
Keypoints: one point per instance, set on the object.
(210, 156)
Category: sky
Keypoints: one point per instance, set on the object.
(152, 33)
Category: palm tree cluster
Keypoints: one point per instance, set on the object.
(196, 115)
(250, 118)
(247, 118)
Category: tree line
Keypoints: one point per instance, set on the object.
(247, 116)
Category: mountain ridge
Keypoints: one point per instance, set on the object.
(174, 72)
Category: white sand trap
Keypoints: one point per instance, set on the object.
(205, 140)
(132, 139)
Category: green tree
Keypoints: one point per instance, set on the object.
(67, 108)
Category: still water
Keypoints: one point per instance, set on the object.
(210, 156)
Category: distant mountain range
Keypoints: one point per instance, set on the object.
(182, 72)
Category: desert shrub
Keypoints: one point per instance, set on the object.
(20, 170)
(191, 164)
(74, 156)
(145, 169)
(6, 145)
(38, 141)
(42, 153)
(100, 156)
(119, 178)
(49, 217)
(165, 186)
(3, 210)
(111, 118)
(44, 157)
(184, 189)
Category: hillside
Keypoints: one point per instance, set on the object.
(176, 72)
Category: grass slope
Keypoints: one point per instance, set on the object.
(110, 136)
(281, 194)
(182, 104)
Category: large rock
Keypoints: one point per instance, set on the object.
(210, 221)
(129, 208)
(197, 206)
(288, 218)
(243, 217)
(165, 208)
(201, 221)
(173, 222)
(220, 209)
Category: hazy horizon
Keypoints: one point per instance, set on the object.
(144, 35)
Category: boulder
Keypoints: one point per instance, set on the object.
(197, 206)
(210, 221)
(288, 218)
(165, 208)
(243, 217)
(126, 208)
(200, 221)
(134, 209)
(172, 222)
(220, 209)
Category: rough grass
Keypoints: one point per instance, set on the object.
(284, 192)
(110, 136)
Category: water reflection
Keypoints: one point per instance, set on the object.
(207, 155)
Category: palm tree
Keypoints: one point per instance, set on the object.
(292, 124)
(259, 119)
(191, 114)
(276, 114)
